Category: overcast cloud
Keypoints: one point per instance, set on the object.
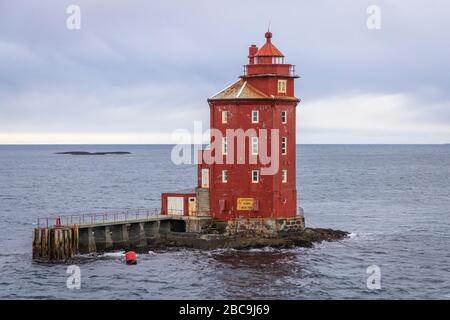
(138, 70)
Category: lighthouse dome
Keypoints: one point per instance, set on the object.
(268, 49)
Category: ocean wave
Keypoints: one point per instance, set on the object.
(112, 254)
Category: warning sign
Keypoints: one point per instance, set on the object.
(245, 203)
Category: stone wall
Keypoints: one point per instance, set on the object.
(198, 225)
(265, 227)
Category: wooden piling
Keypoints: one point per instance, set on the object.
(55, 244)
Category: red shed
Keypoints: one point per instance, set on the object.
(181, 203)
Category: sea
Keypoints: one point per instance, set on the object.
(394, 200)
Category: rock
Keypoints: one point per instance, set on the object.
(305, 238)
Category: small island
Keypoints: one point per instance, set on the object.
(86, 153)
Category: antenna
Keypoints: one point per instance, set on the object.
(268, 27)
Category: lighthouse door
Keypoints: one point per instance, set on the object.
(205, 178)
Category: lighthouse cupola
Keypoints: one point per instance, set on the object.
(267, 70)
(269, 54)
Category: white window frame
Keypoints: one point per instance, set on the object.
(284, 87)
(284, 176)
(255, 112)
(283, 145)
(225, 116)
(277, 60)
(284, 116)
(225, 145)
(255, 146)
(253, 176)
(224, 176)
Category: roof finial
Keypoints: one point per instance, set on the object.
(268, 34)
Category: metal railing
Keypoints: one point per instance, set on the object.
(290, 73)
(111, 217)
(99, 217)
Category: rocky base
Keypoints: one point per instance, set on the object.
(305, 238)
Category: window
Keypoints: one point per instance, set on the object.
(283, 145)
(254, 145)
(255, 116)
(283, 116)
(281, 86)
(224, 145)
(284, 176)
(224, 176)
(224, 116)
(255, 176)
(277, 60)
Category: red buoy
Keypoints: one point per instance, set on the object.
(131, 257)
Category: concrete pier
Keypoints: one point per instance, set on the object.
(60, 243)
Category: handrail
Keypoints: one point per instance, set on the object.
(100, 217)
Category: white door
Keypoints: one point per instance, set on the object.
(205, 178)
(192, 206)
(175, 205)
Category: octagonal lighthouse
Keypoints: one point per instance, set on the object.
(247, 176)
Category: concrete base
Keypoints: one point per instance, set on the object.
(305, 238)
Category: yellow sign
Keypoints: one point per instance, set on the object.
(245, 203)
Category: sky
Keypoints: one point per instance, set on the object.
(136, 70)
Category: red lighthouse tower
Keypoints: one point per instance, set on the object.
(252, 173)
(263, 98)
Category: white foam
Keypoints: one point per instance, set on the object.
(264, 249)
(113, 254)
